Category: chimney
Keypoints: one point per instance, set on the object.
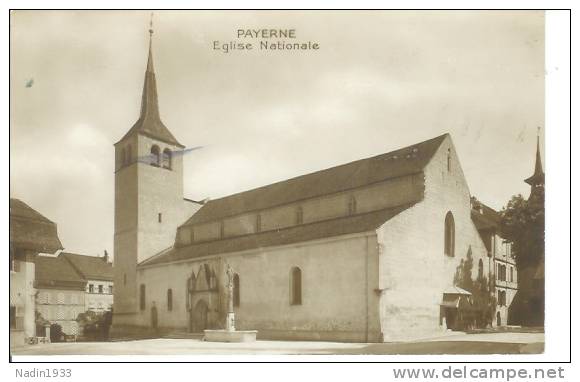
(106, 257)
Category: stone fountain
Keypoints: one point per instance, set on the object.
(230, 334)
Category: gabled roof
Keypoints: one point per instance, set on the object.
(295, 234)
(90, 267)
(149, 122)
(30, 230)
(406, 161)
(54, 272)
(484, 217)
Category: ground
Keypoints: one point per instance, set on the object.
(483, 343)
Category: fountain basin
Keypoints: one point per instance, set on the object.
(223, 335)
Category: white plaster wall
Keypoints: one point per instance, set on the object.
(338, 301)
(414, 271)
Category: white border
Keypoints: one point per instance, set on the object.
(558, 223)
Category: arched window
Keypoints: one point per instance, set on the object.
(480, 269)
(449, 235)
(299, 215)
(142, 297)
(236, 290)
(155, 155)
(189, 288)
(169, 299)
(352, 205)
(167, 159)
(129, 158)
(295, 286)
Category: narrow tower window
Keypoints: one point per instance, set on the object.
(448, 159)
(159, 217)
(449, 235)
(480, 269)
(155, 156)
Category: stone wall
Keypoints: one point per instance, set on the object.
(22, 294)
(339, 301)
(61, 306)
(149, 206)
(414, 271)
(390, 193)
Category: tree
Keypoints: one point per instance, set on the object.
(481, 289)
(522, 224)
(90, 323)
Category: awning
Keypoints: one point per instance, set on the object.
(456, 290)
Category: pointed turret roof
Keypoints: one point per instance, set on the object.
(538, 176)
(149, 122)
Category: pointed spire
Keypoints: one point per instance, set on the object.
(150, 58)
(538, 177)
(149, 102)
(538, 169)
(149, 122)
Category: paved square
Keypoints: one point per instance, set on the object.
(488, 343)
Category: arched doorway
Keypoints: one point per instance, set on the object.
(498, 319)
(199, 316)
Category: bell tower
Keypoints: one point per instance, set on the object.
(536, 181)
(149, 202)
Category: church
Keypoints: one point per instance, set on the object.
(365, 252)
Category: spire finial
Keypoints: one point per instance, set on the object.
(151, 26)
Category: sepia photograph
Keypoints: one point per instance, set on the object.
(244, 182)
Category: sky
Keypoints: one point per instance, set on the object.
(380, 80)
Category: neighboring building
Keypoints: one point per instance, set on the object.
(505, 282)
(61, 292)
(30, 234)
(366, 251)
(529, 305)
(98, 273)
